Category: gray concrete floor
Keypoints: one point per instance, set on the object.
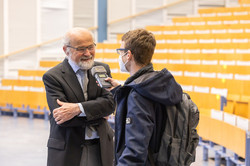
(23, 142)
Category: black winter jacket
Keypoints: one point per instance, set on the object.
(140, 117)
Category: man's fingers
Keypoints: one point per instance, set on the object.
(56, 119)
(108, 79)
(60, 121)
(55, 112)
(59, 102)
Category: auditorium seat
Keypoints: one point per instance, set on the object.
(34, 73)
(242, 109)
(20, 82)
(223, 10)
(205, 100)
(5, 97)
(48, 64)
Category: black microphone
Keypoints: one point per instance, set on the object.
(100, 74)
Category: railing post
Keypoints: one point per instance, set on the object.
(15, 114)
(224, 150)
(211, 144)
(205, 153)
(236, 157)
(30, 111)
(229, 162)
(217, 158)
(46, 114)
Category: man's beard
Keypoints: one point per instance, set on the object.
(86, 65)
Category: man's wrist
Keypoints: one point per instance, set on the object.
(81, 109)
(77, 110)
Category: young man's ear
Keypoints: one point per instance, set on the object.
(130, 55)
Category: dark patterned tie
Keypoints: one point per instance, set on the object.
(85, 81)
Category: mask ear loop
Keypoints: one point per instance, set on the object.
(127, 61)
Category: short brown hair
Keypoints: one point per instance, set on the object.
(141, 43)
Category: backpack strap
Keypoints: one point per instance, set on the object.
(176, 119)
(150, 157)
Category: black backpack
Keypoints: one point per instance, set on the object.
(179, 139)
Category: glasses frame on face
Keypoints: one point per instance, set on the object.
(121, 51)
(83, 49)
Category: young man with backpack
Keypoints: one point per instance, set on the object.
(143, 128)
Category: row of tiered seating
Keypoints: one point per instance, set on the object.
(23, 100)
(209, 51)
(24, 95)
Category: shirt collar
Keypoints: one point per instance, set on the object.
(74, 66)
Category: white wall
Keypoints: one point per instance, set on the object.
(183, 9)
(22, 24)
(1, 28)
(55, 16)
(21, 33)
(154, 18)
(1, 38)
(55, 21)
(119, 9)
(84, 13)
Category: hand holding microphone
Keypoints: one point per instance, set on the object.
(113, 82)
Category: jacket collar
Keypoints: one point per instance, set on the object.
(70, 78)
(146, 69)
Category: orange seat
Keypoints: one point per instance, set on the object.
(48, 63)
(34, 73)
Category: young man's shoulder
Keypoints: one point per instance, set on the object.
(145, 77)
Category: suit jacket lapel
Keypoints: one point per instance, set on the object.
(70, 78)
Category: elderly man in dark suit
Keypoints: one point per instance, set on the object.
(79, 132)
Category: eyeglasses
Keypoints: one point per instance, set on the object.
(83, 49)
(121, 50)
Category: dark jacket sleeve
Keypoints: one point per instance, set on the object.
(138, 130)
(100, 107)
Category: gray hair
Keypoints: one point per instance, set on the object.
(66, 38)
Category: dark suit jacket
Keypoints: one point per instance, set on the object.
(65, 140)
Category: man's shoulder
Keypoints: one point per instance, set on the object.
(54, 70)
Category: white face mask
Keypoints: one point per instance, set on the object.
(122, 64)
